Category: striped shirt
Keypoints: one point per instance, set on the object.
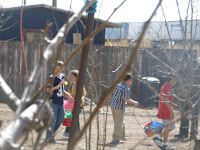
(121, 92)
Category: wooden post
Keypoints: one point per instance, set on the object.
(197, 144)
(80, 84)
(54, 3)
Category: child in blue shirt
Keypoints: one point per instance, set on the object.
(58, 94)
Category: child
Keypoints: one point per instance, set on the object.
(56, 99)
(119, 98)
(74, 79)
(165, 112)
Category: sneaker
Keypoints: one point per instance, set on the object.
(158, 142)
(167, 147)
(121, 141)
(53, 141)
(50, 141)
(113, 143)
(124, 139)
(66, 134)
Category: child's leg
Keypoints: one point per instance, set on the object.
(169, 125)
(67, 129)
(165, 134)
(118, 116)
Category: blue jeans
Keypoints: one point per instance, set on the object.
(57, 121)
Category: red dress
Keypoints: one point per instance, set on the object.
(165, 95)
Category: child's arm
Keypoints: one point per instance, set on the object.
(49, 89)
(84, 91)
(68, 95)
(170, 109)
(131, 101)
(167, 102)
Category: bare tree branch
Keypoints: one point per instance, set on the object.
(21, 126)
(7, 95)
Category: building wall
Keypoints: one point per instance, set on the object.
(118, 33)
(36, 18)
(157, 30)
(175, 29)
(157, 34)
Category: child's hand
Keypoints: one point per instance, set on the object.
(70, 98)
(68, 95)
(136, 103)
(61, 82)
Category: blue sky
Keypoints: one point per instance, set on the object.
(131, 10)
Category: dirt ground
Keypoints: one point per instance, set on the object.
(137, 139)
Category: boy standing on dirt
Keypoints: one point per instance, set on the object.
(166, 113)
(56, 99)
(119, 98)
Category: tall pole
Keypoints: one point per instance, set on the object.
(24, 2)
(54, 3)
(80, 84)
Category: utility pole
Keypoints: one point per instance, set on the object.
(80, 84)
(24, 2)
(54, 3)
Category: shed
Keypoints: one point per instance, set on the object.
(34, 20)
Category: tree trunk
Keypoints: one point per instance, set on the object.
(82, 71)
(197, 144)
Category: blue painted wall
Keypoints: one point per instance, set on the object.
(118, 33)
(36, 18)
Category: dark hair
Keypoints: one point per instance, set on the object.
(170, 77)
(127, 77)
(75, 73)
(48, 86)
(59, 63)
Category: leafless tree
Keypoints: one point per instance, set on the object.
(25, 108)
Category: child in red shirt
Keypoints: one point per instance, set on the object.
(166, 113)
